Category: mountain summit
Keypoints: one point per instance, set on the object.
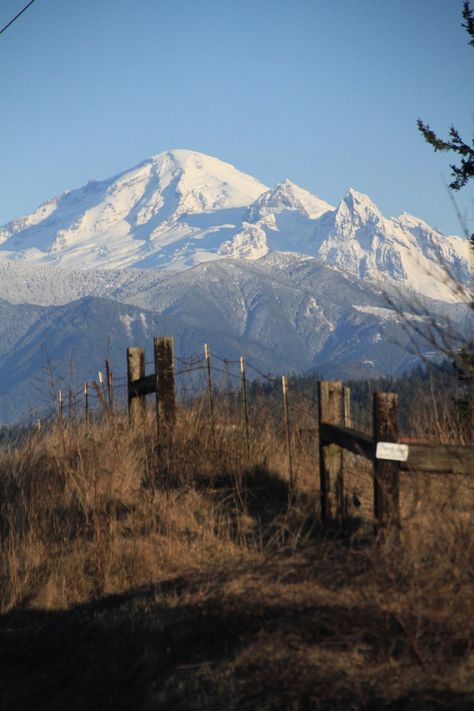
(132, 216)
(181, 208)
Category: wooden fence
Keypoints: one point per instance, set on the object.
(383, 448)
(160, 383)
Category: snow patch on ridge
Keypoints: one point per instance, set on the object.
(387, 314)
(127, 322)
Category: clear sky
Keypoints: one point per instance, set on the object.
(325, 93)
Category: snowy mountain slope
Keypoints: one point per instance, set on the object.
(182, 208)
(73, 340)
(283, 312)
(358, 239)
(283, 218)
(169, 199)
(44, 285)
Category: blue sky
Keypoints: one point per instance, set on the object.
(324, 93)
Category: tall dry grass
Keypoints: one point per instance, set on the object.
(91, 511)
(87, 512)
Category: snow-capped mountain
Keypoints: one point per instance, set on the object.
(171, 209)
(360, 240)
(187, 245)
(182, 208)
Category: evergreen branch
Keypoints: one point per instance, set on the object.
(431, 137)
(468, 23)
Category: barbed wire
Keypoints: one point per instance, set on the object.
(303, 399)
(265, 376)
(227, 373)
(224, 360)
(190, 370)
(190, 361)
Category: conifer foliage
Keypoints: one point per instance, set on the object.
(464, 171)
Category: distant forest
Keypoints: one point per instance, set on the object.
(427, 395)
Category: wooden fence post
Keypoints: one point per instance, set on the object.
(103, 399)
(165, 386)
(86, 404)
(60, 406)
(331, 473)
(135, 371)
(386, 472)
(110, 385)
(286, 411)
(99, 391)
(245, 406)
(347, 407)
(209, 391)
(347, 457)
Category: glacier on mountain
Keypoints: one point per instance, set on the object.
(182, 208)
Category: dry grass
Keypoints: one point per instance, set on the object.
(182, 578)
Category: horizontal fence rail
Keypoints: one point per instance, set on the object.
(387, 452)
(334, 432)
(422, 457)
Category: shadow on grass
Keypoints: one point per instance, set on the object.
(182, 644)
(280, 516)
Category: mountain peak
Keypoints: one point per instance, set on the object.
(287, 184)
(284, 194)
(287, 195)
(203, 182)
(275, 200)
(187, 158)
(359, 206)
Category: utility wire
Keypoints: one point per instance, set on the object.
(16, 16)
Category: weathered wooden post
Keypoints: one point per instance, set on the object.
(209, 391)
(165, 385)
(331, 472)
(135, 371)
(86, 404)
(347, 407)
(386, 471)
(100, 392)
(103, 399)
(347, 457)
(291, 478)
(60, 406)
(245, 406)
(110, 385)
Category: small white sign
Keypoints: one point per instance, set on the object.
(392, 450)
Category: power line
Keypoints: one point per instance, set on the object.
(17, 16)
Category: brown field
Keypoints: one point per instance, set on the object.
(189, 578)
